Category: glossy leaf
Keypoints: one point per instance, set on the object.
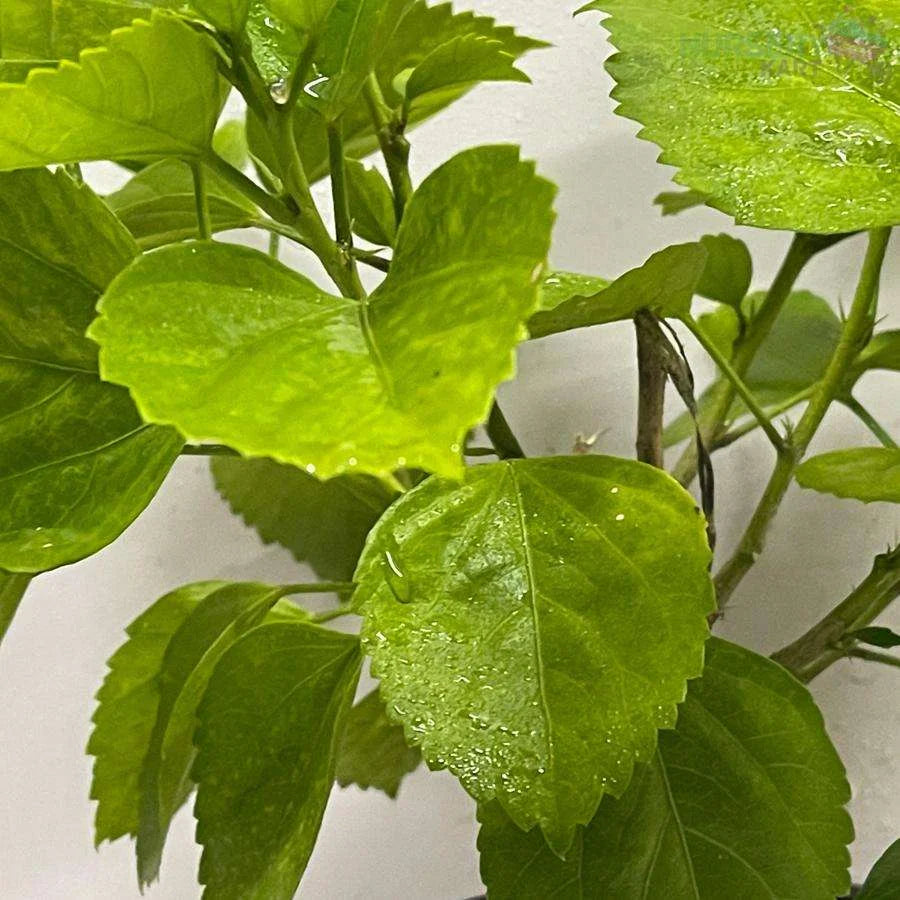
(308, 16)
(347, 385)
(127, 707)
(371, 204)
(353, 38)
(876, 636)
(883, 882)
(787, 116)
(673, 202)
(745, 798)
(664, 284)
(533, 628)
(323, 523)
(270, 725)
(275, 47)
(158, 205)
(220, 618)
(461, 62)
(77, 464)
(728, 272)
(792, 358)
(865, 473)
(153, 91)
(373, 751)
(423, 29)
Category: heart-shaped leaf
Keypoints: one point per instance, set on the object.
(729, 270)
(396, 380)
(374, 752)
(77, 463)
(786, 115)
(323, 523)
(533, 628)
(745, 798)
(869, 474)
(153, 91)
(270, 724)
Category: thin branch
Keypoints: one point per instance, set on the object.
(853, 335)
(201, 198)
(268, 203)
(869, 421)
(393, 143)
(825, 642)
(874, 656)
(740, 430)
(320, 587)
(652, 377)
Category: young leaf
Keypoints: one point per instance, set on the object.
(153, 91)
(728, 272)
(792, 358)
(786, 115)
(882, 352)
(127, 706)
(308, 16)
(373, 751)
(353, 38)
(323, 523)
(538, 662)
(346, 386)
(883, 882)
(461, 62)
(664, 284)
(371, 204)
(77, 464)
(673, 202)
(744, 798)
(220, 618)
(876, 636)
(869, 474)
(275, 46)
(230, 142)
(158, 205)
(270, 725)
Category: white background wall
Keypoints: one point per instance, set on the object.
(422, 846)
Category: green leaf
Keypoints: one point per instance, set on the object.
(876, 636)
(153, 91)
(324, 523)
(371, 204)
(883, 882)
(373, 751)
(869, 474)
(745, 798)
(461, 62)
(354, 36)
(786, 115)
(882, 352)
(792, 358)
(230, 142)
(275, 46)
(218, 620)
(158, 205)
(306, 15)
(423, 29)
(722, 326)
(127, 706)
(396, 381)
(664, 284)
(270, 725)
(673, 202)
(77, 464)
(728, 272)
(538, 662)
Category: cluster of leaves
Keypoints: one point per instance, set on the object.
(539, 627)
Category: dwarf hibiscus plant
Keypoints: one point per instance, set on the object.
(540, 627)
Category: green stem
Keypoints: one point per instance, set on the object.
(737, 383)
(208, 450)
(869, 421)
(274, 244)
(874, 656)
(320, 587)
(501, 435)
(269, 204)
(342, 222)
(201, 197)
(739, 431)
(394, 146)
(821, 646)
(344, 610)
(479, 451)
(330, 254)
(712, 418)
(12, 590)
(853, 336)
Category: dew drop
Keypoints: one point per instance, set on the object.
(620, 517)
(279, 91)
